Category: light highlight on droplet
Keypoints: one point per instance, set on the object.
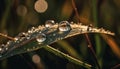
(41, 38)
(49, 23)
(64, 26)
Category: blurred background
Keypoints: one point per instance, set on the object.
(20, 15)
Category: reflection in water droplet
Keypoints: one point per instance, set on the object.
(41, 38)
(49, 23)
(64, 26)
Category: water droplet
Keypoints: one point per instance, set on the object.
(54, 34)
(28, 37)
(3, 45)
(0, 55)
(16, 39)
(6, 48)
(28, 49)
(33, 29)
(89, 28)
(41, 38)
(101, 30)
(23, 34)
(49, 23)
(0, 49)
(30, 31)
(64, 26)
(8, 42)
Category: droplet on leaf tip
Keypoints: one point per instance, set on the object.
(41, 38)
(64, 26)
(49, 23)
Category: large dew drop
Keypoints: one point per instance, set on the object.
(49, 23)
(41, 38)
(64, 26)
(2, 48)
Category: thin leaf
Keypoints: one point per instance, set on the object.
(26, 42)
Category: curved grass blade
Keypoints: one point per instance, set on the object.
(69, 58)
(35, 38)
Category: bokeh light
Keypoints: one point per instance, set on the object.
(41, 6)
(21, 10)
(36, 59)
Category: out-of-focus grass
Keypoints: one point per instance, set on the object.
(103, 13)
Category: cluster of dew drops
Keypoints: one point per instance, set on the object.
(41, 37)
(63, 26)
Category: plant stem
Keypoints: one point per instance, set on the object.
(76, 11)
(90, 47)
(4, 35)
(92, 51)
(97, 38)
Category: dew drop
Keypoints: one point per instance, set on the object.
(64, 26)
(6, 48)
(49, 23)
(0, 49)
(54, 34)
(33, 29)
(28, 49)
(89, 28)
(23, 34)
(41, 38)
(0, 56)
(30, 31)
(2, 46)
(16, 39)
(102, 30)
(28, 37)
